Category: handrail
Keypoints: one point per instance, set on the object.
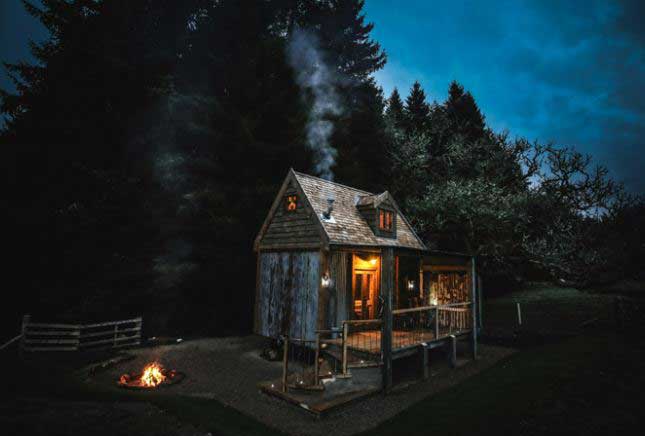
(431, 307)
(301, 340)
(362, 321)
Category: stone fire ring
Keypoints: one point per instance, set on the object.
(134, 382)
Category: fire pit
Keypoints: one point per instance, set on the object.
(154, 375)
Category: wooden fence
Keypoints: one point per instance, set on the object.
(75, 337)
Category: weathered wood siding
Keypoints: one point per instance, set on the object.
(287, 297)
(340, 292)
(290, 229)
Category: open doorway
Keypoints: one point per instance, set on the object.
(365, 286)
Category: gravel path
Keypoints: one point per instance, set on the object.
(229, 369)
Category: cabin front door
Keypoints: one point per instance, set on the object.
(365, 294)
(365, 286)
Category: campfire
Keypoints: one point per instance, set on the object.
(153, 375)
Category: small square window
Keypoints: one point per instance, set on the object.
(385, 220)
(291, 203)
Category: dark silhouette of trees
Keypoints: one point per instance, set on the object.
(147, 140)
(416, 109)
(394, 112)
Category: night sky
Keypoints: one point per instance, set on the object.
(569, 72)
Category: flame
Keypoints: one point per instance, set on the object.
(152, 375)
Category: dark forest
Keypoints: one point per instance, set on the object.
(145, 145)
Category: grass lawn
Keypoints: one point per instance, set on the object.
(546, 309)
(589, 384)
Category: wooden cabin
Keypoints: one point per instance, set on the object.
(329, 254)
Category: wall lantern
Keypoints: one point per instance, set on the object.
(373, 261)
(410, 284)
(325, 281)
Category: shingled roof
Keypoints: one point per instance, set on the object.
(348, 227)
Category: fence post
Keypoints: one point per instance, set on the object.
(473, 308)
(116, 330)
(317, 356)
(436, 322)
(345, 332)
(79, 328)
(140, 332)
(423, 349)
(25, 322)
(285, 362)
(387, 288)
(452, 351)
(480, 302)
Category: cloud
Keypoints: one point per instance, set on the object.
(570, 72)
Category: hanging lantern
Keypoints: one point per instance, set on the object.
(325, 281)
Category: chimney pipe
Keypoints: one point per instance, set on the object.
(330, 208)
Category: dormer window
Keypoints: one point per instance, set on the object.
(291, 203)
(385, 220)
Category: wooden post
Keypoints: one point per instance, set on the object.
(423, 350)
(285, 362)
(345, 332)
(140, 332)
(387, 287)
(519, 314)
(452, 351)
(436, 323)
(116, 333)
(474, 304)
(317, 356)
(480, 302)
(23, 340)
(423, 297)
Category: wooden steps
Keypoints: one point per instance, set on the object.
(354, 360)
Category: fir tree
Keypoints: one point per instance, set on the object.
(394, 111)
(463, 114)
(416, 109)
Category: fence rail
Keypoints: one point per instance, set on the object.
(75, 337)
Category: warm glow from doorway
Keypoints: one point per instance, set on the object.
(366, 263)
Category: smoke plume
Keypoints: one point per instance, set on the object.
(318, 80)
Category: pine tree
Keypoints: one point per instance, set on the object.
(463, 114)
(394, 111)
(81, 183)
(416, 109)
(345, 37)
(345, 41)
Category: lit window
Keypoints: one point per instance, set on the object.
(385, 220)
(292, 203)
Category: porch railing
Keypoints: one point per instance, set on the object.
(358, 342)
(413, 326)
(361, 343)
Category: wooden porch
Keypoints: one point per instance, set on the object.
(361, 340)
